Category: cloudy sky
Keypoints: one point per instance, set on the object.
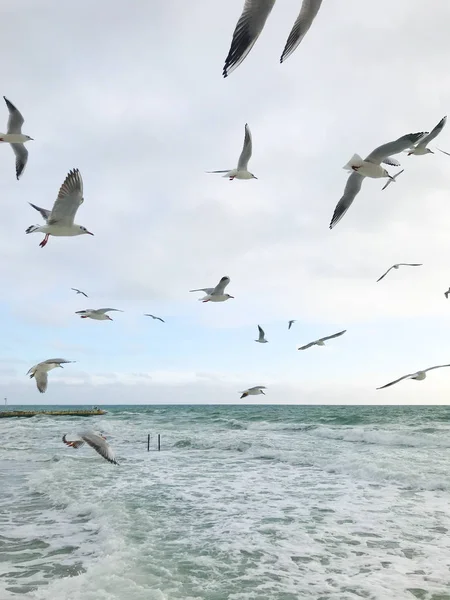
(132, 94)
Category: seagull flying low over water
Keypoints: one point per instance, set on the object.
(418, 376)
(241, 172)
(251, 23)
(291, 323)
(95, 440)
(370, 167)
(321, 341)
(397, 266)
(79, 292)
(261, 337)
(421, 146)
(60, 220)
(40, 371)
(215, 294)
(15, 137)
(153, 317)
(98, 314)
(253, 391)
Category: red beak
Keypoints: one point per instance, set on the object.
(89, 233)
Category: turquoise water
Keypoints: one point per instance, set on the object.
(242, 503)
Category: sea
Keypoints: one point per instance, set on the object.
(253, 502)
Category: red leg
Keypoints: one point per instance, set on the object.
(45, 240)
(231, 178)
(205, 300)
(83, 317)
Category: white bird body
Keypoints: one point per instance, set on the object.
(15, 137)
(40, 371)
(236, 174)
(216, 298)
(96, 441)
(215, 294)
(98, 314)
(365, 167)
(253, 391)
(241, 171)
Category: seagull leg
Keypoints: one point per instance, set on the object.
(83, 317)
(231, 178)
(205, 300)
(45, 240)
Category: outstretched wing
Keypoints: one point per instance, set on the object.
(41, 378)
(402, 143)
(100, 445)
(330, 337)
(352, 187)
(433, 133)
(308, 13)
(307, 345)
(15, 119)
(44, 212)
(396, 381)
(248, 28)
(73, 444)
(384, 274)
(69, 199)
(208, 291)
(21, 154)
(105, 310)
(261, 332)
(220, 287)
(246, 150)
(436, 367)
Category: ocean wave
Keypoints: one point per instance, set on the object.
(382, 437)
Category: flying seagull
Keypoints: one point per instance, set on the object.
(241, 171)
(251, 23)
(153, 317)
(291, 323)
(95, 440)
(321, 341)
(421, 146)
(392, 179)
(253, 391)
(397, 266)
(98, 314)
(79, 292)
(261, 337)
(40, 371)
(418, 376)
(16, 138)
(371, 164)
(447, 293)
(215, 294)
(59, 220)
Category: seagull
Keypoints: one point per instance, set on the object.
(421, 146)
(98, 314)
(392, 179)
(370, 164)
(447, 293)
(16, 138)
(261, 339)
(153, 317)
(253, 391)
(251, 23)
(59, 220)
(321, 341)
(40, 371)
(397, 266)
(291, 323)
(79, 292)
(241, 171)
(95, 440)
(418, 376)
(215, 294)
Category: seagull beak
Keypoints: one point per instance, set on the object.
(231, 296)
(262, 392)
(89, 232)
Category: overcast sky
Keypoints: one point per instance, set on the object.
(132, 94)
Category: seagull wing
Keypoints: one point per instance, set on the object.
(411, 264)
(443, 151)
(248, 28)
(246, 150)
(56, 361)
(403, 143)
(41, 378)
(335, 335)
(44, 212)
(392, 162)
(21, 158)
(307, 345)
(100, 445)
(15, 120)
(384, 274)
(257, 387)
(153, 317)
(220, 287)
(308, 13)
(426, 139)
(352, 188)
(436, 367)
(392, 179)
(208, 291)
(72, 444)
(396, 381)
(105, 310)
(69, 199)
(290, 324)
(261, 332)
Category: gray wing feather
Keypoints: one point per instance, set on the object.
(44, 212)
(443, 151)
(352, 188)
(256, 387)
(100, 445)
(247, 30)
(56, 361)
(396, 381)
(307, 346)
(21, 158)
(246, 153)
(433, 133)
(41, 378)
(206, 290)
(105, 310)
(69, 199)
(384, 274)
(393, 162)
(15, 119)
(220, 287)
(436, 367)
(308, 13)
(335, 335)
(385, 151)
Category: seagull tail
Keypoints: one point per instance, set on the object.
(32, 229)
(355, 161)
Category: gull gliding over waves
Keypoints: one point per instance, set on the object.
(371, 164)
(321, 341)
(251, 23)
(15, 137)
(241, 171)
(261, 337)
(253, 391)
(79, 292)
(215, 294)
(95, 440)
(98, 314)
(421, 146)
(397, 266)
(153, 317)
(60, 220)
(418, 376)
(40, 371)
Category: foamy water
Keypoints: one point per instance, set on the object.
(242, 503)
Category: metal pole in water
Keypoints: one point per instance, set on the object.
(148, 443)
(159, 442)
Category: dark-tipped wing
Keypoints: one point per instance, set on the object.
(55, 361)
(44, 212)
(220, 287)
(244, 395)
(261, 332)
(402, 143)
(72, 444)
(15, 119)
(335, 335)
(246, 153)
(69, 199)
(248, 28)
(21, 154)
(308, 13)
(352, 188)
(290, 324)
(79, 292)
(396, 381)
(433, 133)
(384, 274)
(307, 345)
(411, 264)
(153, 317)
(100, 445)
